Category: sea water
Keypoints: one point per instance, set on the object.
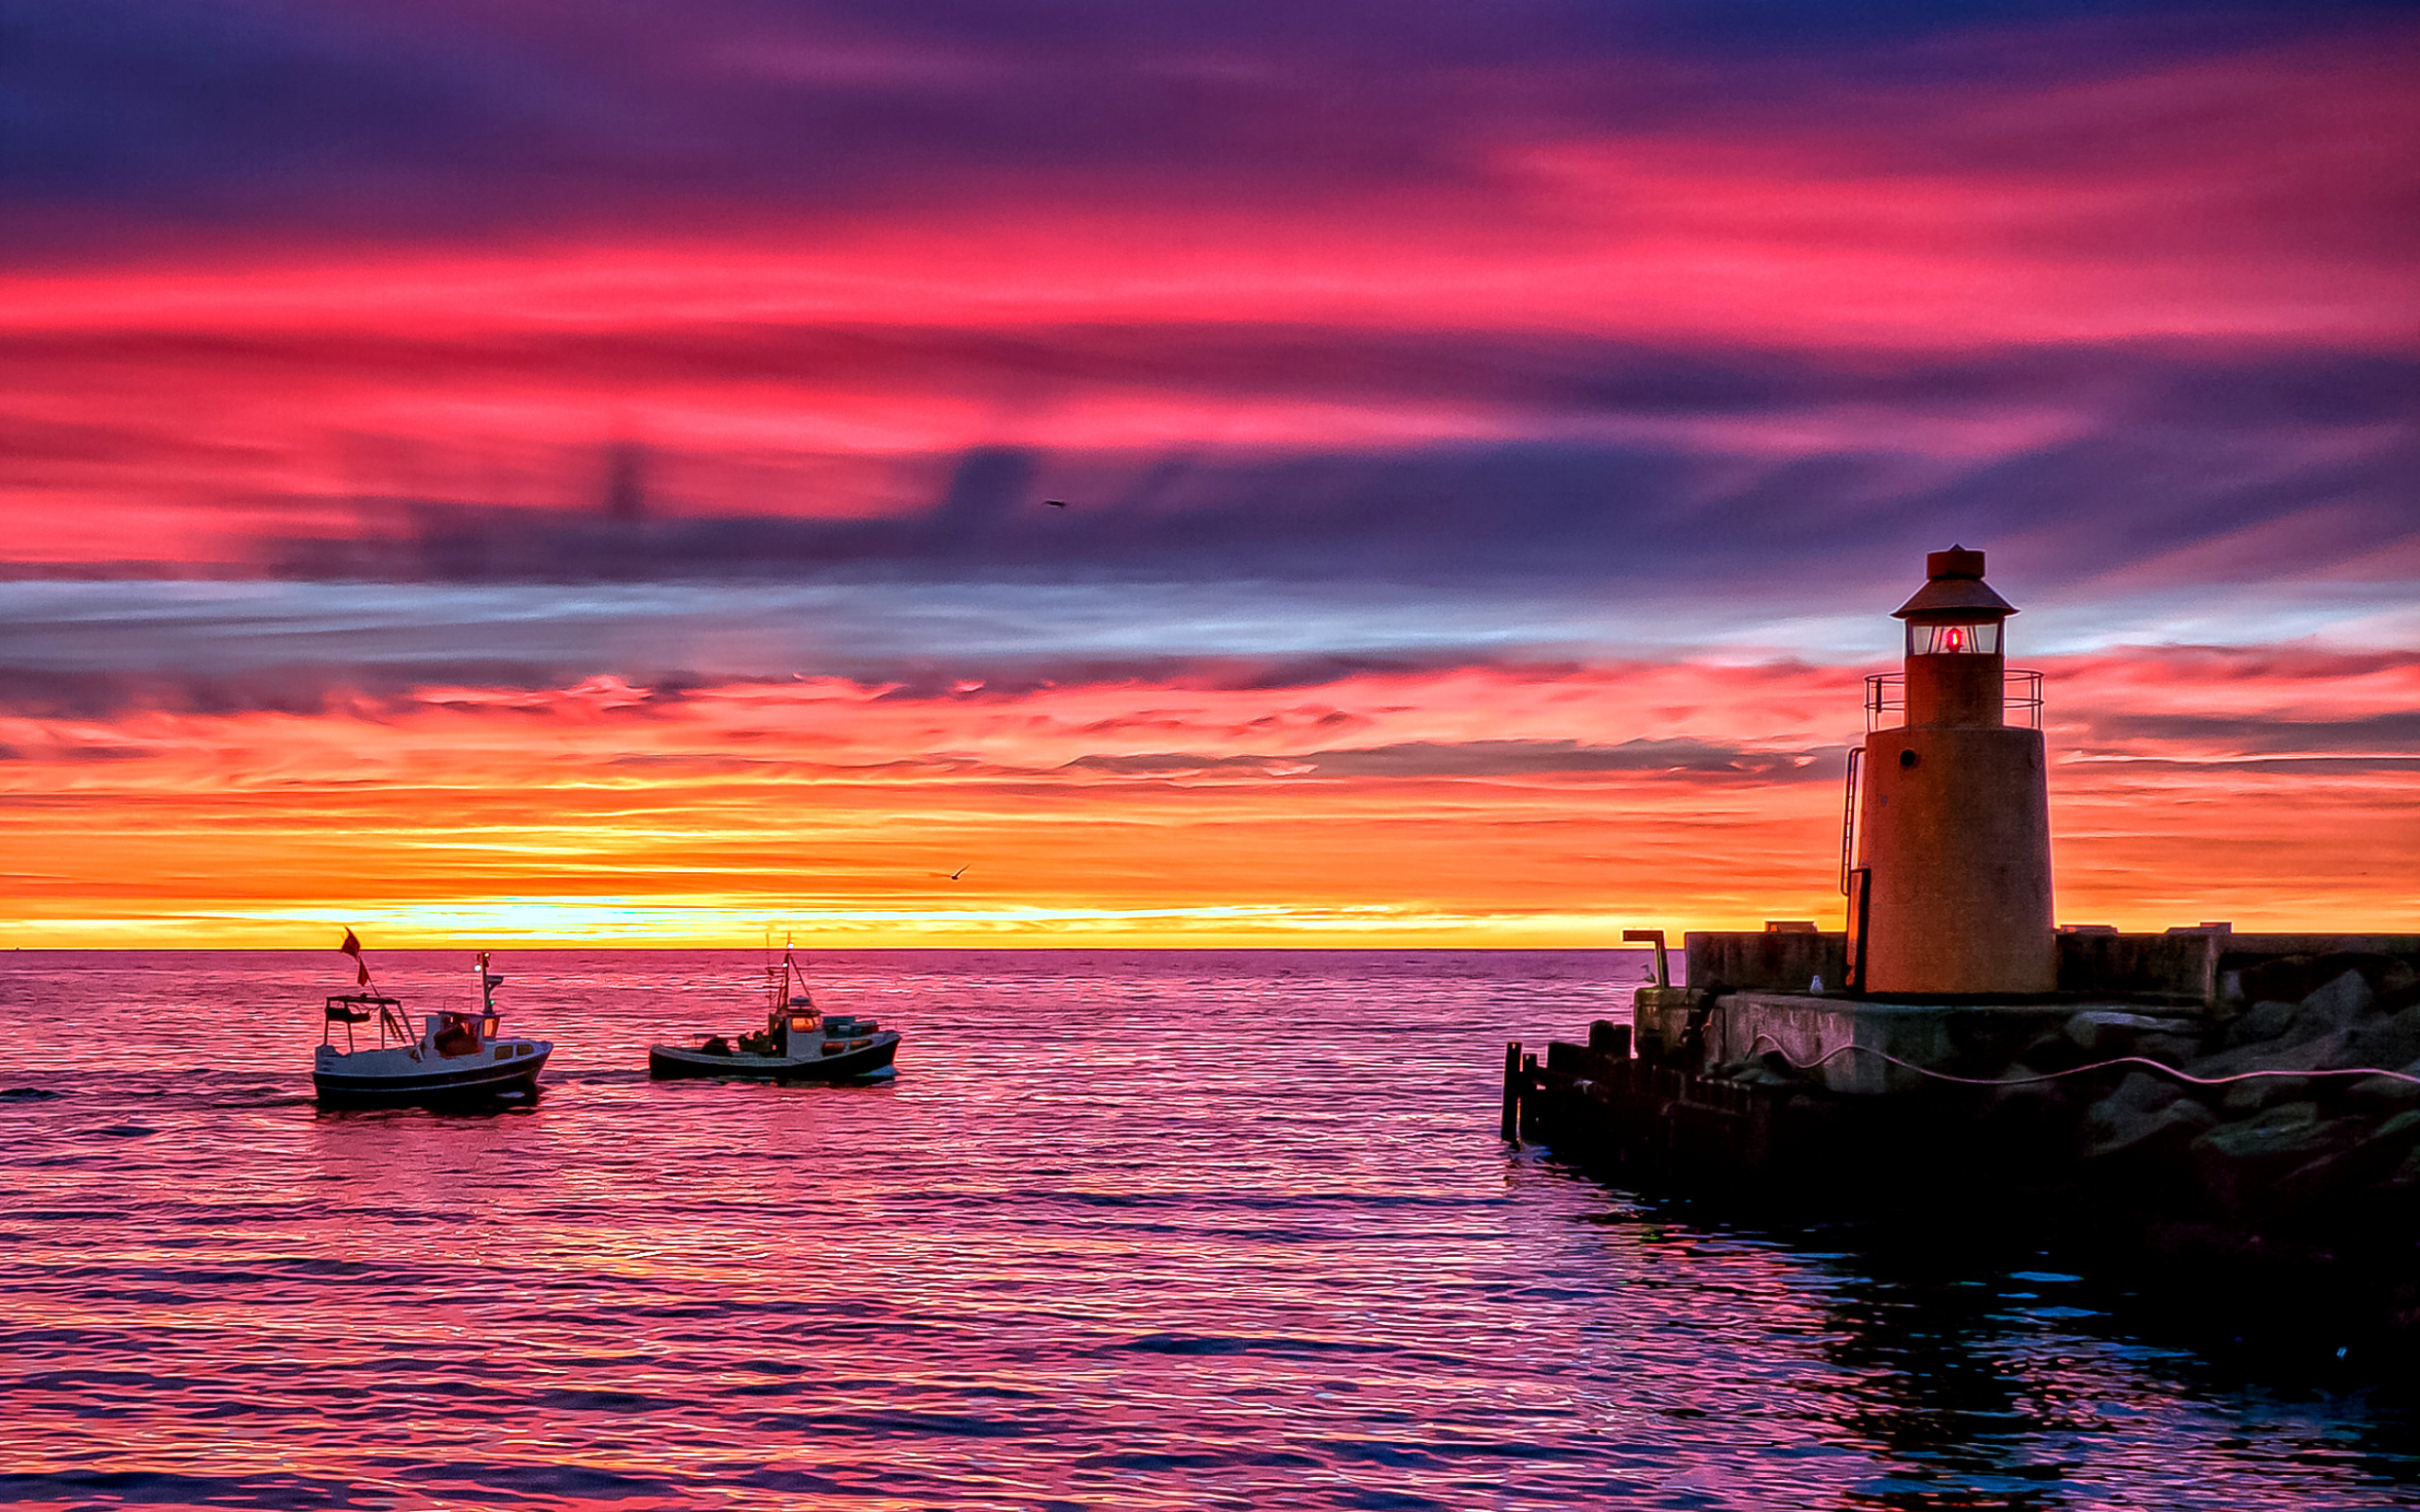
(1129, 1229)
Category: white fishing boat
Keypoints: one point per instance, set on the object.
(800, 1041)
(456, 1056)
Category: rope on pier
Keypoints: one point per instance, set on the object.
(2072, 1071)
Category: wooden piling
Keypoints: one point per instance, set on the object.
(1606, 1037)
(1513, 1092)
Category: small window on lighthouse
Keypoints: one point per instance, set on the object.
(1954, 639)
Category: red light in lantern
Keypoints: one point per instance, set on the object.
(1955, 639)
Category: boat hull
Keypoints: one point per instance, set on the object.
(666, 1062)
(475, 1082)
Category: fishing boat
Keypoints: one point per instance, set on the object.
(800, 1041)
(458, 1057)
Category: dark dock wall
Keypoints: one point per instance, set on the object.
(2211, 967)
(1769, 961)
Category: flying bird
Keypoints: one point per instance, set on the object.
(954, 875)
(1056, 504)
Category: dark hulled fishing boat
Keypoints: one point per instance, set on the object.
(799, 1043)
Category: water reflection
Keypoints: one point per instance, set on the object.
(1961, 1376)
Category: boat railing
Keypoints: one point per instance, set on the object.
(350, 1008)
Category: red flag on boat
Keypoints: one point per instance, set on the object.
(353, 947)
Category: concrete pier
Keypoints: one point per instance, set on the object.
(1846, 1040)
(2263, 1135)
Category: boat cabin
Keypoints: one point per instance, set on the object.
(791, 1011)
(459, 1034)
(794, 1023)
(795, 1026)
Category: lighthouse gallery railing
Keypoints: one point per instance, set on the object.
(1886, 693)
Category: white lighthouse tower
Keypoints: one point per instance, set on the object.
(1950, 869)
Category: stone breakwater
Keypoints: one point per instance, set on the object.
(2268, 1142)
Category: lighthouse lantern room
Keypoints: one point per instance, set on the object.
(1948, 869)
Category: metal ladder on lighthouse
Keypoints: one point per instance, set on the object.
(1856, 882)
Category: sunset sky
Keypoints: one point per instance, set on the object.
(526, 471)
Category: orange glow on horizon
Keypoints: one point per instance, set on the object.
(1467, 808)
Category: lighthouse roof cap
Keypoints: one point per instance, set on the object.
(1955, 563)
(1954, 590)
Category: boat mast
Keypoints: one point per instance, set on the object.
(792, 972)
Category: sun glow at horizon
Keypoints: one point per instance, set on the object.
(1470, 807)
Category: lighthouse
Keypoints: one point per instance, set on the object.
(1947, 863)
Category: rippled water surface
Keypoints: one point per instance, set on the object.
(1130, 1229)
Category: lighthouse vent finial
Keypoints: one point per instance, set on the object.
(1957, 562)
(1954, 592)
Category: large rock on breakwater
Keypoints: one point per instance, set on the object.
(2106, 1033)
(2147, 1121)
(2293, 979)
(2261, 1129)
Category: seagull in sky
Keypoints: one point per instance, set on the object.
(1056, 504)
(954, 875)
